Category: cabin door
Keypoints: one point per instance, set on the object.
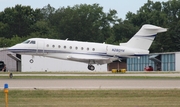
(40, 48)
(106, 49)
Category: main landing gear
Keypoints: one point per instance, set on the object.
(91, 67)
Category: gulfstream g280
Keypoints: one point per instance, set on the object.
(89, 52)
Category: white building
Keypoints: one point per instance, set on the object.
(11, 64)
(41, 63)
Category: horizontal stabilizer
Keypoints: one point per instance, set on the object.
(153, 58)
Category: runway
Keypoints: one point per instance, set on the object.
(85, 84)
(89, 84)
(101, 74)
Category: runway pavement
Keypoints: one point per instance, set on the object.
(85, 84)
(101, 74)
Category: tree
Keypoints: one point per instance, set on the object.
(18, 20)
(165, 14)
(83, 22)
(89, 23)
(47, 11)
(123, 31)
(43, 29)
(3, 29)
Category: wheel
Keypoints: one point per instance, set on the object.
(91, 67)
(31, 60)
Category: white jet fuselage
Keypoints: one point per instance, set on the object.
(75, 50)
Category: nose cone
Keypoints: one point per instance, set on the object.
(16, 48)
(22, 48)
(13, 49)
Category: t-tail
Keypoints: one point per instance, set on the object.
(144, 37)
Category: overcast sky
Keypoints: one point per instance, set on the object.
(121, 6)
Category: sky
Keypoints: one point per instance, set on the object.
(121, 6)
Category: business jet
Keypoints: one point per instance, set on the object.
(90, 52)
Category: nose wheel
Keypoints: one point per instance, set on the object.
(31, 60)
(91, 67)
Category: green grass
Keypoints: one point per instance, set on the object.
(92, 98)
(6, 75)
(94, 72)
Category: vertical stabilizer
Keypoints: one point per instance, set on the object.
(144, 37)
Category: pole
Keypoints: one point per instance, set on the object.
(6, 94)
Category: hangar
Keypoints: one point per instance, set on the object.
(158, 61)
(11, 64)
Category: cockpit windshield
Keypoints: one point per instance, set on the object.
(26, 42)
(32, 42)
(29, 42)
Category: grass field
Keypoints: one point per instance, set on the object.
(92, 98)
(85, 75)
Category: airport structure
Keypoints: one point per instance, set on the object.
(11, 64)
(159, 61)
(46, 64)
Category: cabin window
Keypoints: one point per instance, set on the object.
(64, 47)
(93, 49)
(47, 45)
(82, 48)
(26, 42)
(59, 46)
(70, 47)
(76, 47)
(88, 49)
(53, 46)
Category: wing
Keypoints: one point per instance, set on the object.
(92, 59)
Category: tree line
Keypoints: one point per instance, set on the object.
(89, 23)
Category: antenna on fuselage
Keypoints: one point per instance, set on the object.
(66, 39)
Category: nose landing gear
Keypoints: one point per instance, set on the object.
(31, 60)
(91, 67)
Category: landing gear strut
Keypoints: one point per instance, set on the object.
(91, 67)
(31, 60)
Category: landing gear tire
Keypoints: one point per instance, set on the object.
(91, 67)
(31, 60)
